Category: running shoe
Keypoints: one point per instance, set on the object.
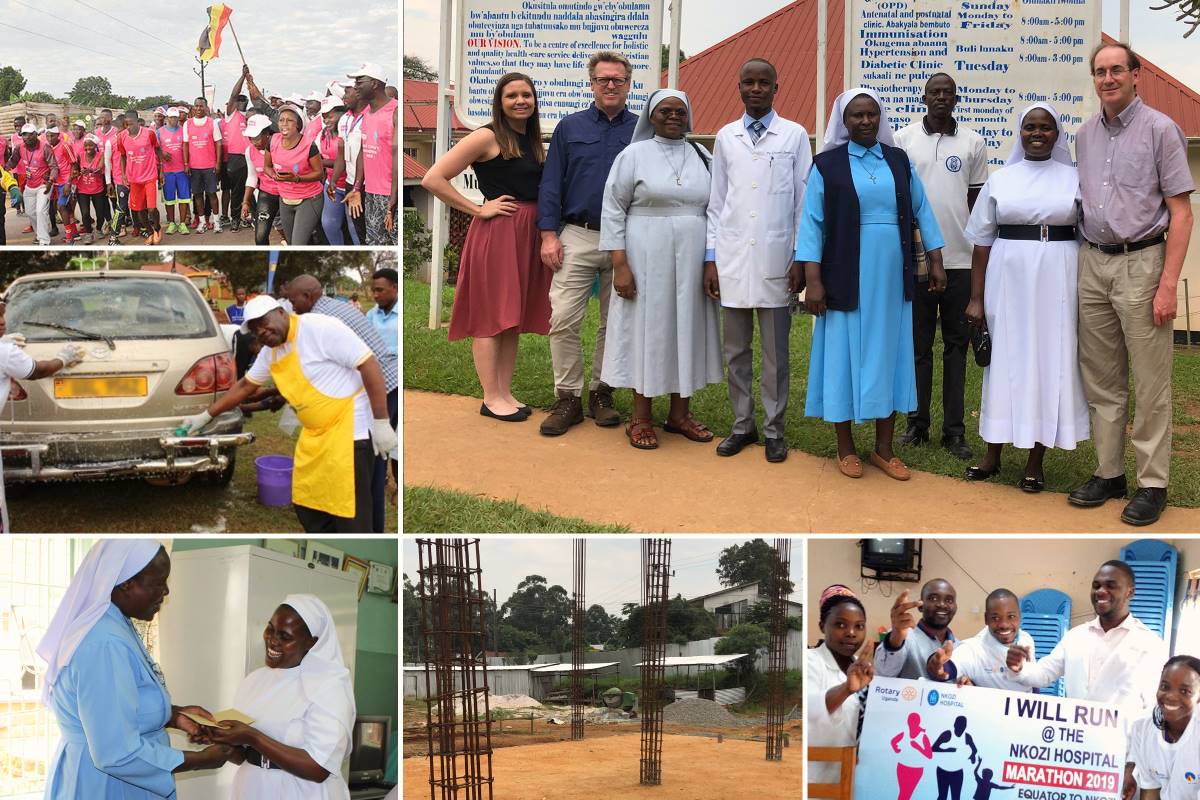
(28, 229)
(201, 228)
(170, 228)
(182, 230)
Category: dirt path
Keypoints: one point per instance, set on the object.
(594, 474)
(692, 767)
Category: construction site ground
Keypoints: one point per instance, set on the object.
(605, 765)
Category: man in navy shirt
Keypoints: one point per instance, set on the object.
(582, 150)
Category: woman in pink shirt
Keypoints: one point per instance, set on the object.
(64, 190)
(90, 188)
(294, 163)
(333, 156)
(265, 207)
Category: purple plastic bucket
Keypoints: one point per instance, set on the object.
(274, 480)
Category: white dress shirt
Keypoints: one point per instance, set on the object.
(825, 729)
(982, 659)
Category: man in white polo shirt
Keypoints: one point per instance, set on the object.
(951, 161)
(332, 380)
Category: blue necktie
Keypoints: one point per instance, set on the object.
(757, 129)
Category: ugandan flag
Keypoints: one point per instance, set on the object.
(210, 37)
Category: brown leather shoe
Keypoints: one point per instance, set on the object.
(600, 407)
(567, 411)
(893, 468)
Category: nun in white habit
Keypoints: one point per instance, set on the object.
(1024, 283)
(662, 329)
(107, 694)
(302, 704)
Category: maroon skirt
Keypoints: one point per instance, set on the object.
(501, 281)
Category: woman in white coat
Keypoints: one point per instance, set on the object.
(302, 704)
(835, 677)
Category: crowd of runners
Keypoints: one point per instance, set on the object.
(318, 169)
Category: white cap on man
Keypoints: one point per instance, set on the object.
(256, 125)
(28, 127)
(257, 307)
(371, 71)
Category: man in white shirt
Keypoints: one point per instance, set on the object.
(951, 161)
(980, 660)
(906, 649)
(759, 172)
(1112, 659)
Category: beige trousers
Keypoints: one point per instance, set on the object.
(1116, 330)
(570, 290)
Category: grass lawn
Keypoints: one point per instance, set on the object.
(431, 363)
(134, 506)
(431, 510)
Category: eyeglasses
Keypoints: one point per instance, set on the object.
(672, 112)
(616, 82)
(1115, 72)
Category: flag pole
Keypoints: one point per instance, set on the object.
(235, 39)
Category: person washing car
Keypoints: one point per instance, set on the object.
(16, 363)
(335, 384)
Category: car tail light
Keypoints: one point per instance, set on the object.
(17, 392)
(209, 374)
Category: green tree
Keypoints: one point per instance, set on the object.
(35, 97)
(541, 609)
(154, 101)
(94, 90)
(747, 563)
(685, 623)
(745, 638)
(249, 267)
(12, 83)
(15, 264)
(411, 607)
(599, 626)
(666, 56)
(760, 614)
(417, 69)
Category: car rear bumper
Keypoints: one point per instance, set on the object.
(157, 453)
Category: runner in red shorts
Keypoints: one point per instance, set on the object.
(139, 153)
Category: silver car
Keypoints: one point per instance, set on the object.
(154, 354)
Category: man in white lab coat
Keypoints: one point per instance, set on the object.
(759, 173)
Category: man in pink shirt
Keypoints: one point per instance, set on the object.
(202, 152)
(15, 142)
(138, 151)
(234, 139)
(177, 189)
(118, 194)
(375, 186)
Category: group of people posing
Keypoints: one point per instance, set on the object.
(1113, 659)
(321, 168)
(1063, 277)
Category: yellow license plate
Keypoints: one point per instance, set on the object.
(72, 388)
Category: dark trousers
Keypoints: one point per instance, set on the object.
(266, 209)
(949, 783)
(379, 473)
(234, 181)
(88, 202)
(315, 521)
(951, 307)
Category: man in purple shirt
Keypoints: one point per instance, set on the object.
(582, 150)
(1135, 182)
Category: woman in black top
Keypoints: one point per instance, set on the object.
(503, 290)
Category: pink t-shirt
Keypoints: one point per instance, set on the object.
(313, 128)
(265, 183)
(118, 173)
(15, 140)
(295, 161)
(65, 158)
(141, 162)
(87, 183)
(232, 133)
(171, 142)
(329, 148)
(76, 149)
(34, 164)
(202, 137)
(378, 152)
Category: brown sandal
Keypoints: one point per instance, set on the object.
(640, 431)
(689, 427)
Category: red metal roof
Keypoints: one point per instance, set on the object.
(420, 108)
(788, 39)
(413, 169)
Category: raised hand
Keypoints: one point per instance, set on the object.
(937, 661)
(903, 620)
(1016, 657)
(862, 671)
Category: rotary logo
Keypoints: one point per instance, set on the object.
(908, 694)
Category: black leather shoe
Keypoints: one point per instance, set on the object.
(1146, 506)
(776, 450)
(1097, 491)
(516, 416)
(957, 446)
(978, 473)
(914, 436)
(735, 442)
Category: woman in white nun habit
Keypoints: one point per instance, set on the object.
(662, 329)
(1024, 284)
(302, 704)
(108, 695)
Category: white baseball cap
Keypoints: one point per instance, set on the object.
(316, 95)
(330, 103)
(336, 89)
(172, 112)
(179, 111)
(52, 130)
(258, 306)
(371, 71)
(80, 124)
(29, 127)
(256, 125)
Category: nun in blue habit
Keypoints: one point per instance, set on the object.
(107, 693)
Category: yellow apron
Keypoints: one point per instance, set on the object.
(323, 475)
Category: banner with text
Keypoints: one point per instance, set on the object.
(1003, 56)
(923, 740)
(551, 41)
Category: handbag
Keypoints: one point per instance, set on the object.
(981, 343)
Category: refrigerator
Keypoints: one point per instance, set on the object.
(211, 628)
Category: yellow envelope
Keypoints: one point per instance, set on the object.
(231, 714)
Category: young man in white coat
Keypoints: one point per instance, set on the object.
(759, 173)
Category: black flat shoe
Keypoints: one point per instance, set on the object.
(979, 474)
(1032, 485)
(516, 416)
(776, 450)
(914, 436)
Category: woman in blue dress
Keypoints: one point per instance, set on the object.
(107, 693)
(855, 240)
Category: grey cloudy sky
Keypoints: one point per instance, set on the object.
(1155, 34)
(150, 47)
(613, 565)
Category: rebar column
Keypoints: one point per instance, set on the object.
(656, 569)
(453, 607)
(578, 619)
(778, 588)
